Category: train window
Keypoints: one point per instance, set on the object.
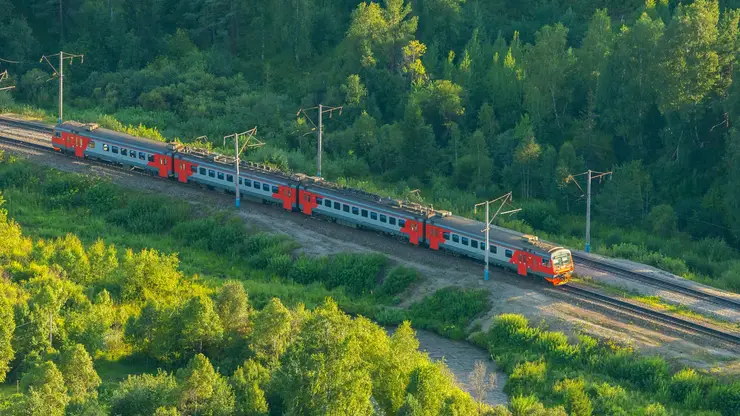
(545, 262)
(265, 187)
(446, 236)
(483, 246)
(257, 185)
(58, 134)
(275, 189)
(124, 152)
(220, 176)
(345, 208)
(240, 181)
(455, 238)
(115, 149)
(383, 218)
(355, 211)
(319, 201)
(474, 243)
(508, 253)
(193, 169)
(247, 182)
(150, 158)
(401, 223)
(374, 216)
(105, 147)
(142, 156)
(337, 206)
(211, 173)
(364, 213)
(230, 178)
(493, 249)
(465, 241)
(91, 145)
(203, 171)
(392, 220)
(133, 156)
(327, 203)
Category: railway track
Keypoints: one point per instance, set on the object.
(675, 287)
(38, 143)
(652, 314)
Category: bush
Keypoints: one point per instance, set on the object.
(449, 310)
(398, 280)
(527, 377)
(146, 214)
(577, 402)
(358, 273)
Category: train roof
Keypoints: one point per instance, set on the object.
(228, 162)
(510, 237)
(95, 131)
(408, 207)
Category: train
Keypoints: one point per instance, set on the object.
(416, 224)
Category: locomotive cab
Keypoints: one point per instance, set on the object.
(562, 265)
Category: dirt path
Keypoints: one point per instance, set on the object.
(509, 293)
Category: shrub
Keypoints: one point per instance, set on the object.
(449, 310)
(398, 280)
(527, 377)
(358, 273)
(577, 402)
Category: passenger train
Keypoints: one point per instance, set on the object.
(417, 224)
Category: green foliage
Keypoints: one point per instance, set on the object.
(449, 310)
(46, 391)
(149, 275)
(7, 328)
(398, 280)
(526, 377)
(322, 372)
(203, 391)
(79, 374)
(142, 395)
(248, 382)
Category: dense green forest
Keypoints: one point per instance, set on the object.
(461, 99)
(100, 315)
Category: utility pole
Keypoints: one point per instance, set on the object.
(250, 142)
(322, 109)
(504, 200)
(590, 175)
(62, 56)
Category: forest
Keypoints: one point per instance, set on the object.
(462, 99)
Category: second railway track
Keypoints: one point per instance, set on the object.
(660, 283)
(652, 314)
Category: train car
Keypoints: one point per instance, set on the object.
(362, 209)
(91, 141)
(525, 254)
(256, 181)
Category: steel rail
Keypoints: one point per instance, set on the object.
(651, 313)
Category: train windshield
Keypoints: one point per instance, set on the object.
(561, 258)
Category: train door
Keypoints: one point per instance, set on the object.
(522, 264)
